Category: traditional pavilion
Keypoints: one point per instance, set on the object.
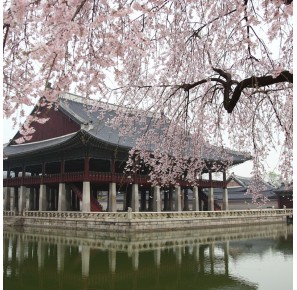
(74, 158)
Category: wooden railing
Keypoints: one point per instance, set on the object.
(103, 177)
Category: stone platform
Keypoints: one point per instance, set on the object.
(144, 221)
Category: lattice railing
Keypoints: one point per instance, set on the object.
(93, 176)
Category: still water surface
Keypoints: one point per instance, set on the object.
(251, 257)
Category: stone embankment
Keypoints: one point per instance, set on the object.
(144, 221)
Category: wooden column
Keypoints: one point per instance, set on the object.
(23, 174)
(112, 165)
(62, 170)
(43, 172)
(87, 168)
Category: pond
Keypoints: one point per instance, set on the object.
(250, 257)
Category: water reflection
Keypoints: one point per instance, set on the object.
(200, 259)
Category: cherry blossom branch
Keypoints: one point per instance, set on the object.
(230, 102)
(197, 31)
(78, 9)
(256, 82)
(248, 30)
(50, 71)
(5, 26)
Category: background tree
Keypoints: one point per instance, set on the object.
(273, 178)
(215, 72)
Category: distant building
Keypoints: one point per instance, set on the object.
(284, 195)
(238, 197)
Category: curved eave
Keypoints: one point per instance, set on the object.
(236, 160)
(15, 151)
(108, 142)
(105, 138)
(12, 151)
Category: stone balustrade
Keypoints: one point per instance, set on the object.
(9, 213)
(157, 215)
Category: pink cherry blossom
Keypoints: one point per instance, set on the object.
(210, 74)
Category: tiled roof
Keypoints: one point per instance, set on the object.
(78, 110)
(240, 194)
(245, 181)
(284, 188)
(73, 106)
(20, 149)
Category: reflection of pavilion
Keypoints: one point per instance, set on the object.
(203, 253)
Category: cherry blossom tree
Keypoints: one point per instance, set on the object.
(212, 73)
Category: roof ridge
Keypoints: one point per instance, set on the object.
(95, 102)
